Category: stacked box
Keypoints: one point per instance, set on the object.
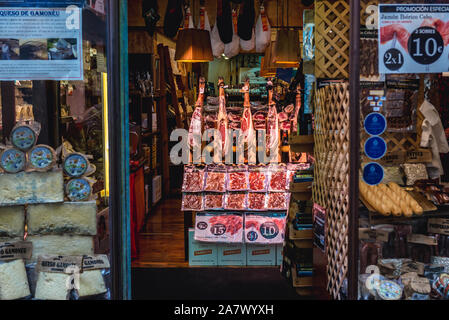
(202, 253)
(231, 254)
(260, 255)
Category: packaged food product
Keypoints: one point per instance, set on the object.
(256, 201)
(193, 179)
(257, 177)
(215, 178)
(265, 227)
(414, 172)
(236, 201)
(277, 200)
(277, 180)
(192, 202)
(219, 227)
(237, 178)
(214, 201)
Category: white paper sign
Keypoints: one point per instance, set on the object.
(41, 44)
(413, 38)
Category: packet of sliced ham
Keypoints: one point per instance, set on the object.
(193, 179)
(236, 201)
(257, 177)
(192, 202)
(277, 180)
(224, 227)
(215, 178)
(292, 168)
(278, 200)
(265, 227)
(237, 178)
(213, 201)
(257, 201)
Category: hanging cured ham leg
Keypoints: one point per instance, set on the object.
(197, 117)
(391, 31)
(222, 123)
(247, 125)
(272, 122)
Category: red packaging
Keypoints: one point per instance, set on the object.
(236, 201)
(192, 202)
(237, 178)
(277, 178)
(215, 178)
(226, 227)
(214, 201)
(277, 200)
(193, 179)
(257, 178)
(256, 201)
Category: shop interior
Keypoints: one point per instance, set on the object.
(335, 242)
(167, 85)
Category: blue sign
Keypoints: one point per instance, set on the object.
(375, 147)
(373, 173)
(375, 124)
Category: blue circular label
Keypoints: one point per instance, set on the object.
(375, 124)
(373, 173)
(251, 236)
(269, 230)
(375, 147)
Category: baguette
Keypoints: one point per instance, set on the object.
(407, 198)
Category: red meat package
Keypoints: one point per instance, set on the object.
(192, 202)
(213, 201)
(237, 178)
(277, 177)
(256, 201)
(215, 178)
(219, 227)
(265, 228)
(236, 201)
(193, 179)
(257, 177)
(277, 200)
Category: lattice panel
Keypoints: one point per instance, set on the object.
(332, 39)
(331, 185)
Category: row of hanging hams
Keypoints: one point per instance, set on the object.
(249, 120)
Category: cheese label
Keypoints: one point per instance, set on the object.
(59, 264)
(15, 250)
(95, 262)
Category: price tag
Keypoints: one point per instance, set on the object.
(375, 147)
(413, 38)
(373, 173)
(375, 124)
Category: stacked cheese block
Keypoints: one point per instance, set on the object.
(34, 201)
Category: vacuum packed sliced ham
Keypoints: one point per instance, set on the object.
(214, 201)
(236, 201)
(219, 227)
(192, 202)
(277, 201)
(256, 201)
(265, 228)
(193, 179)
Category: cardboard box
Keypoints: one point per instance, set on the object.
(231, 254)
(438, 225)
(202, 253)
(279, 256)
(260, 255)
(157, 189)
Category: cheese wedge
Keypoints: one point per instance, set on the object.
(52, 286)
(12, 221)
(91, 283)
(61, 245)
(13, 280)
(63, 218)
(31, 187)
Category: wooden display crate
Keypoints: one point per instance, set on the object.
(301, 143)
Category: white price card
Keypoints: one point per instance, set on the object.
(413, 38)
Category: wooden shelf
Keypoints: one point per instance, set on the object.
(301, 186)
(301, 143)
(299, 234)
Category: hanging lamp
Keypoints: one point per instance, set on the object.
(193, 45)
(286, 50)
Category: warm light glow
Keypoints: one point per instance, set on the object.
(105, 192)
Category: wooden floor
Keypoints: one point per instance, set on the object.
(161, 244)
